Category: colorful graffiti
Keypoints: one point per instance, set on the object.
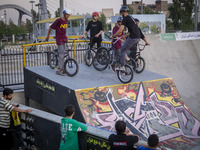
(146, 107)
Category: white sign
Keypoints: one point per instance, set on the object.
(187, 36)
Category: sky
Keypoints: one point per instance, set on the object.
(76, 6)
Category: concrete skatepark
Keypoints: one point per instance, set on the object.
(164, 59)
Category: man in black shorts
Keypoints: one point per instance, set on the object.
(133, 38)
(96, 29)
(123, 140)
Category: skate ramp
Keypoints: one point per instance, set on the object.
(179, 60)
(147, 107)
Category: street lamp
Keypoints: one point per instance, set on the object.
(39, 12)
(195, 15)
(32, 15)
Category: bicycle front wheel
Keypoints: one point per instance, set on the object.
(125, 76)
(88, 57)
(71, 67)
(140, 65)
(52, 60)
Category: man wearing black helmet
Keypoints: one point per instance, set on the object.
(134, 34)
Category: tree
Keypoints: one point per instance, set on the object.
(35, 16)
(29, 26)
(130, 9)
(143, 25)
(154, 29)
(148, 10)
(49, 14)
(102, 18)
(180, 13)
(57, 12)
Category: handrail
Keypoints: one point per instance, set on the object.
(53, 42)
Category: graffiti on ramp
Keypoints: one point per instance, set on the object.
(146, 107)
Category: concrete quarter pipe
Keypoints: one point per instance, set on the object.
(147, 107)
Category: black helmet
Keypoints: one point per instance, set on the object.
(137, 20)
(124, 8)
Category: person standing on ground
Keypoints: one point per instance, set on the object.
(96, 29)
(60, 25)
(123, 140)
(69, 129)
(5, 108)
(134, 34)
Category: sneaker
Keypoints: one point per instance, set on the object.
(120, 68)
(61, 73)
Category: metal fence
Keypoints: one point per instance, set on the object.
(14, 58)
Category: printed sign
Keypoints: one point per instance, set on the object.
(168, 36)
(45, 85)
(187, 36)
(93, 142)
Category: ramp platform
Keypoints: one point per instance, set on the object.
(150, 104)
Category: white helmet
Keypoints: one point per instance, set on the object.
(67, 11)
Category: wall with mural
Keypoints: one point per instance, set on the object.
(146, 107)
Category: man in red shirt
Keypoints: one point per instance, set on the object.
(60, 25)
(118, 44)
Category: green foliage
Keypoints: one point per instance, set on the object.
(49, 14)
(29, 26)
(143, 25)
(35, 16)
(154, 29)
(130, 9)
(180, 13)
(102, 18)
(169, 25)
(57, 12)
(11, 29)
(148, 10)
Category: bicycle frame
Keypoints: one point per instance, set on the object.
(140, 47)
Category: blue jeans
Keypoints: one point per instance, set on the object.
(128, 45)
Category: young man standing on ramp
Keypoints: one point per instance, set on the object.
(134, 34)
(60, 25)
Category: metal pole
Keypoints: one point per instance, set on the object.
(141, 6)
(61, 7)
(32, 17)
(195, 16)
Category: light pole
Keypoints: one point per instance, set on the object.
(195, 15)
(39, 12)
(141, 6)
(61, 7)
(32, 16)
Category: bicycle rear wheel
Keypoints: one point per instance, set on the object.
(52, 60)
(88, 57)
(71, 67)
(103, 56)
(98, 66)
(125, 76)
(140, 65)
